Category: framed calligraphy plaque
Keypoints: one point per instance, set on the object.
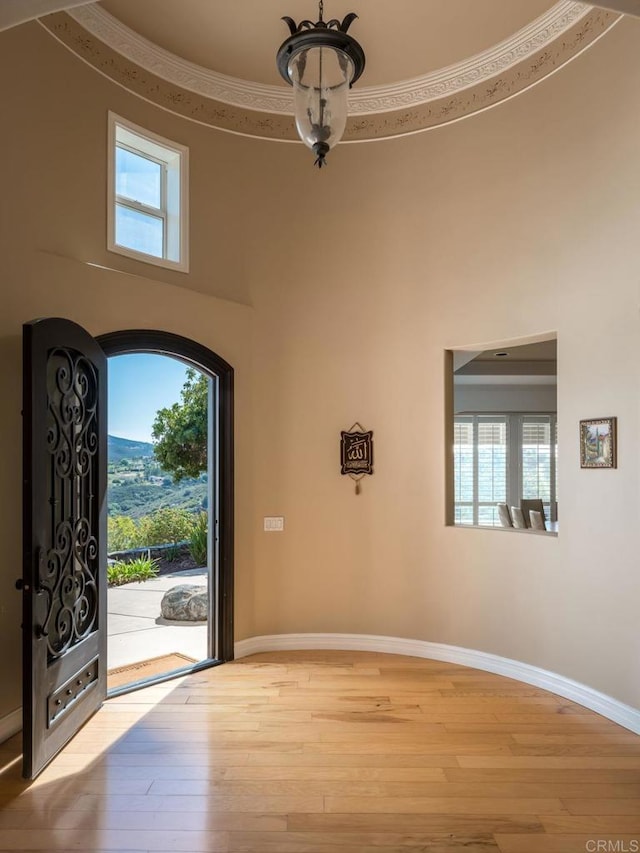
(356, 453)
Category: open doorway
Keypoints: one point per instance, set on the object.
(64, 575)
(169, 542)
(159, 596)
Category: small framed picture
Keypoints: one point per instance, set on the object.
(598, 443)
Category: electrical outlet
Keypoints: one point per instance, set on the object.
(273, 524)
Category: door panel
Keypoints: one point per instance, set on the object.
(64, 528)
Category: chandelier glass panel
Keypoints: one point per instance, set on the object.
(321, 62)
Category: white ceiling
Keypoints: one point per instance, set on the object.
(402, 39)
(429, 62)
(541, 351)
(527, 364)
(13, 12)
(627, 7)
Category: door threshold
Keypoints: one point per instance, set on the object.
(162, 677)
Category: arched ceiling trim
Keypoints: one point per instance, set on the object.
(264, 111)
(363, 100)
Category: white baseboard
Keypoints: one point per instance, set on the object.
(10, 725)
(602, 704)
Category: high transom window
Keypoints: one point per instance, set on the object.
(148, 183)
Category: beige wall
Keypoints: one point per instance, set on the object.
(334, 295)
(52, 223)
(520, 221)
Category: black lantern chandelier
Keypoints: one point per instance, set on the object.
(321, 62)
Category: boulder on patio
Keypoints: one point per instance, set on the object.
(185, 603)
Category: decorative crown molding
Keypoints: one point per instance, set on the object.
(377, 112)
(174, 69)
(365, 100)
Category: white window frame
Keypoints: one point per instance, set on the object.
(514, 423)
(475, 418)
(174, 211)
(553, 453)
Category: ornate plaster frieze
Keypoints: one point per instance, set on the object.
(363, 100)
(174, 69)
(265, 111)
(488, 93)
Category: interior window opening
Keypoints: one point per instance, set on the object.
(504, 432)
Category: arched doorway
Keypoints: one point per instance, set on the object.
(64, 576)
(219, 469)
(64, 580)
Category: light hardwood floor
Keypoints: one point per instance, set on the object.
(332, 752)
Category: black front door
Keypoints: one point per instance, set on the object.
(64, 529)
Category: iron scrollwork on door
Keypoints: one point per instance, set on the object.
(67, 571)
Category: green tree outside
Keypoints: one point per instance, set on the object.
(180, 431)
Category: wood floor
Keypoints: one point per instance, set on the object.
(333, 752)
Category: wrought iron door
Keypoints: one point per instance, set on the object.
(64, 528)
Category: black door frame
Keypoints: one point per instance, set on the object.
(132, 341)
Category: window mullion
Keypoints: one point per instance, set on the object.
(140, 207)
(164, 203)
(552, 466)
(515, 460)
(475, 471)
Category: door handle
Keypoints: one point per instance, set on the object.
(21, 585)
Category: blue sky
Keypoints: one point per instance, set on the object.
(139, 385)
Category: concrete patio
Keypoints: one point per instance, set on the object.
(137, 632)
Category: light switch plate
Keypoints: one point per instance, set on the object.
(274, 524)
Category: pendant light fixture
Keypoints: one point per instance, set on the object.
(321, 62)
